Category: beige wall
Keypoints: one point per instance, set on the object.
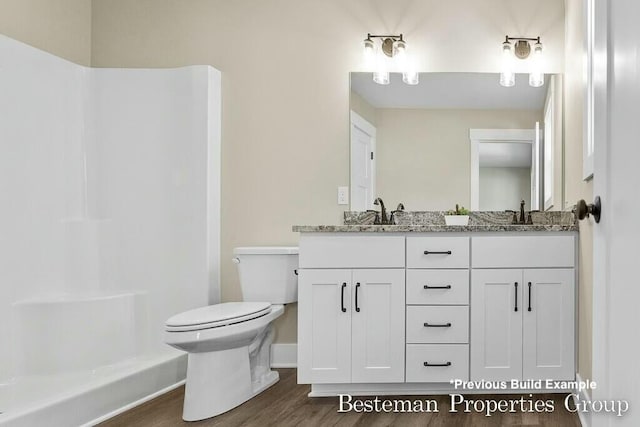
(575, 187)
(424, 155)
(61, 27)
(285, 66)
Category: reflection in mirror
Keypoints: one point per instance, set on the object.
(456, 138)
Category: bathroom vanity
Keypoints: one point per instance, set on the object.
(404, 309)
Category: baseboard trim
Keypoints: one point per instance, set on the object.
(585, 417)
(284, 355)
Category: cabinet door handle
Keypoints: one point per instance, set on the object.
(437, 364)
(437, 325)
(344, 285)
(437, 287)
(357, 287)
(437, 252)
(529, 309)
(516, 294)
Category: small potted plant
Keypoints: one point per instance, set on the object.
(458, 217)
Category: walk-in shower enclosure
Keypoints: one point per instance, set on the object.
(109, 224)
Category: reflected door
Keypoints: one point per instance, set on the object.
(363, 146)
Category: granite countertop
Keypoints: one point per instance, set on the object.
(428, 228)
(433, 221)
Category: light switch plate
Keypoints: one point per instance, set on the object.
(343, 195)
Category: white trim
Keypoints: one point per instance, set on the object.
(478, 136)
(585, 417)
(589, 87)
(548, 147)
(284, 355)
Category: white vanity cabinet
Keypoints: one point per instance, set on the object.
(523, 319)
(407, 312)
(351, 320)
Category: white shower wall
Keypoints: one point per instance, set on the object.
(150, 179)
(109, 198)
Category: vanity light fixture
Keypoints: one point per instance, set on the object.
(391, 53)
(521, 50)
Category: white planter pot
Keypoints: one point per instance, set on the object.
(456, 219)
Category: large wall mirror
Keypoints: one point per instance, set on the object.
(456, 138)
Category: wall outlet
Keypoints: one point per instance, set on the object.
(343, 195)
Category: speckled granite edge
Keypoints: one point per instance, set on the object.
(429, 228)
(433, 221)
(475, 218)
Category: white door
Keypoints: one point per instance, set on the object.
(363, 163)
(324, 326)
(616, 67)
(548, 324)
(496, 325)
(378, 326)
(535, 169)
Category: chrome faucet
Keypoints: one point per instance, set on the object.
(522, 218)
(383, 212)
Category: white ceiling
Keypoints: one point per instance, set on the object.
(504, 155)
(449, 91)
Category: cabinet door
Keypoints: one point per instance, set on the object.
(378, 326)
(549, 324)
(324, 329)
(496, 324)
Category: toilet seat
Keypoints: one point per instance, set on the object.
(217, 315)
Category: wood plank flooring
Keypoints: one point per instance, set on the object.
(286, 404)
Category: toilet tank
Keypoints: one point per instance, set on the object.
(268, 273)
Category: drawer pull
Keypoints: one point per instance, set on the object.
(357, 306)
(437, 364)
(437, 325)
(437, 252)
(437, 287)
(529, 309)
(515, 285)
(344, 310)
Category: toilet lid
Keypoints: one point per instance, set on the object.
(217, 315)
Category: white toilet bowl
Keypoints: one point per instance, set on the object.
(229, 344)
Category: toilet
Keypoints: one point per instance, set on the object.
(229, 343)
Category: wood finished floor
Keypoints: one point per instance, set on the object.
(286, 404)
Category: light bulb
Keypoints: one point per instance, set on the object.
(381, 77)
(369, 54)
(411, 77)
(536, 76)
(400, 55)
(381, 72)
(507, 76)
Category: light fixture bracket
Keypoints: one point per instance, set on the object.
(388, 42)
(522, 48)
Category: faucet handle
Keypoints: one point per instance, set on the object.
(529, 218)
(514, 220)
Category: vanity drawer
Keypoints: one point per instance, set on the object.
(352, 251)
(438, 287)
(454, 357)
(523, 251)
(437, 325)
(437, 252)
